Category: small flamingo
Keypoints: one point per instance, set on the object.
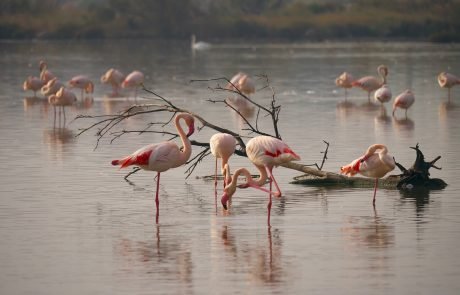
(162, 156)
(371, 83)
(45, 74)
(51, 87)
(266, 152)
(32, 83)
(448, 81)
(133, 80)
(62, 98)
(383, 94)
(243, 83)
(222, 146)
(345, 81)
(375, 163)
(404, 101)
(82, 82)
(113, 77)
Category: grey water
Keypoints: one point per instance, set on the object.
(70, 223)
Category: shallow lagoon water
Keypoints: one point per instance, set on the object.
(71, 224)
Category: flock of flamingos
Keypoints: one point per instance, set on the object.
(264, 152)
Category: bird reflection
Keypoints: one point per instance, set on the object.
(369, 232)
(382, 117)
(263, 262)
(165, 256)
(85, 103)
(369, 106)
(244, 109)
(32, 101)
(112, 106)
(59, 136)
(404, 124)
(345, 108)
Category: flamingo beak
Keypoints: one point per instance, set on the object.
(191, 129)
(224, 200)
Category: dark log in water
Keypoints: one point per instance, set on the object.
(414, 177)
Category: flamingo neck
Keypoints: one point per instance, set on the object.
(373, 148)
(187, 147)
(383, 72)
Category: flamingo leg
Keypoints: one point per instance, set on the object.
(63, 111)
(369, 97)
(346, 94)
(448, 95)
(375, 191)
(272, 178)
(157, 200)
(269, 205)
(215, 178)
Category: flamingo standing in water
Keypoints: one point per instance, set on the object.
(264, 152)
(404, 101)
(51, 87)
(345, 81)
(222, 146)
(133, 80)
(45, 74)
(162, 156)
(82, 82)
(448, 81)
(62, 98)
(375, 163)
(383, 94)
(32, 83)
(113, 77)
(371, 83)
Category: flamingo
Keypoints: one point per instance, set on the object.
(200, 45)
(82, 82)
(403, 101)
(383, 94)
(265, 152)
(134, 79)
(62, 98)
(345, 81)
(376, 163)
(222, 146)
(113, 77)
(45, 74)
(162, 156)
(371, 83)
(241, 82)
(51, 87)
(32, 83)
(448, 81)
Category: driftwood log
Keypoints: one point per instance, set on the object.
(417, 176)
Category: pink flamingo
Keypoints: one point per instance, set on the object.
(45, 74)
(134, 79)
(448, 81)
(375, 163)
(404, 101)
(371, 83)
(345, 81)
(62, 98)
(82, 82)
(383, 94)
(264, 152)
(162, 156)
(32, 83)
(222, 146)
(51, 87)
(243, 83)
(113, 77)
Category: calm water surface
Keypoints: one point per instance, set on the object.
(70, 224)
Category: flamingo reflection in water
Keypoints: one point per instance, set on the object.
(162, 156)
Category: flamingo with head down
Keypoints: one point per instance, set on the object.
(371, 83)
(243, 83)
(447, 80)
(265, 152)
(32, 83)
(383, 94)
(375, 163)
(404, 101)
(134, 80)
(163, 156)
(82, 82)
